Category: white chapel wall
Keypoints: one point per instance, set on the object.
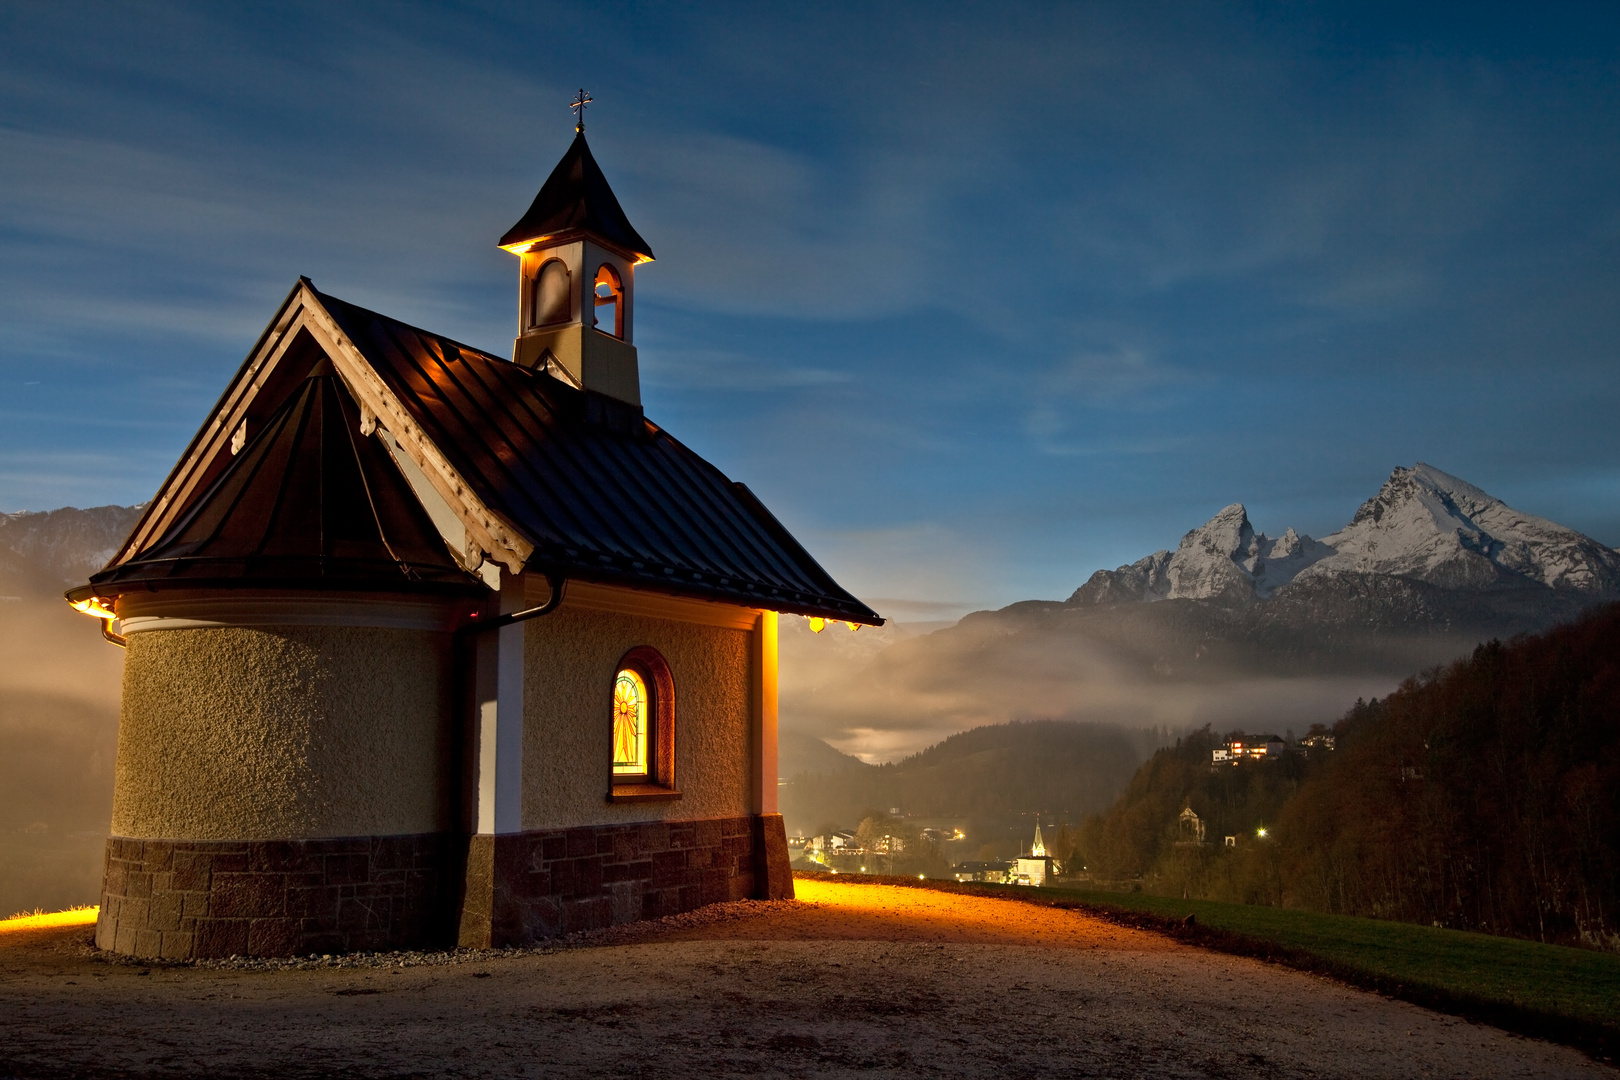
(571, 660)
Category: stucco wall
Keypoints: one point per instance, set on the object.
(283, 732)
(570, 661)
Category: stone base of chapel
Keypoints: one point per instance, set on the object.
(525, 887)
(187, 899)
(192, 899)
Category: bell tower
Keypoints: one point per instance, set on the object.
(576, 277)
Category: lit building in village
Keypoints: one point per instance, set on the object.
(428, 646)
(1036, 868)
(1256, 749)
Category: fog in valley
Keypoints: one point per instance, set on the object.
(59, 685)
(881, 695)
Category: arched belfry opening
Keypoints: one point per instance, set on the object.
(579, 253)
(550, 299)
(609, 296)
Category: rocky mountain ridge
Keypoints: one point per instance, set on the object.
(1424, 525)
(56, 549)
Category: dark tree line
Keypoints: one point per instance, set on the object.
(1484, 795)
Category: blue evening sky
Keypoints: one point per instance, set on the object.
(977, 298)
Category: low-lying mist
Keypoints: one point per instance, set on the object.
(59, 686)
(884, 695)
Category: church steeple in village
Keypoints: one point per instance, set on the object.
(576, 277)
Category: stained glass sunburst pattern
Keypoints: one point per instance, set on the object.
(629, 724)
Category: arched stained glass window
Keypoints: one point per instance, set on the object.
(629, 724)
(643, 728)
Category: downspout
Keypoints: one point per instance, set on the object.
(557, 583)
(463, 656)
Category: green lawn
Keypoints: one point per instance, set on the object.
(1569, 982)
(1571, 995)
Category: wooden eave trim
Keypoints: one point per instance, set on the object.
(548, 241)
(214, 437)
(646, 604)
(484, 526)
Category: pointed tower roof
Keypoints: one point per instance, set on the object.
(576, 200)
(307, 503)
(1038, 849)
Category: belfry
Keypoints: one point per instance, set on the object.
(428, 646)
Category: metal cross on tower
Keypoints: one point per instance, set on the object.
(578, 105)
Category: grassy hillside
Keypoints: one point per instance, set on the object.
(1570, 995)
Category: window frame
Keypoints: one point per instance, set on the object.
(659, 783)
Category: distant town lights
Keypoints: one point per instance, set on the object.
(1260, 833)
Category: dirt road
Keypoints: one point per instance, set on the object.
(867, 980)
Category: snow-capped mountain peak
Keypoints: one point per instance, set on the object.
(1222, 559)
(1432, 526)
(1424, 524)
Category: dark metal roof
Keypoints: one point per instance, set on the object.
(307, 503)
(576, 199)
(602, 493)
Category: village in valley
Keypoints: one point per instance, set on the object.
(893, 843)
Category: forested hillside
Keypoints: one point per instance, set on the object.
(994, 775)
(1484, 795)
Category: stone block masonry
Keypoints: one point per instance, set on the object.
(189, 899)
(525, 887)
(192, 899)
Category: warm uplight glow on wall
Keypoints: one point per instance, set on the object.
(94, 606)
(818, 624)
(523, 247)
(74, 917)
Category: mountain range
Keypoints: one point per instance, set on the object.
(1423, 526)
(47, 551)
(1232, 628)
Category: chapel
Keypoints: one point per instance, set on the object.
(431, 647)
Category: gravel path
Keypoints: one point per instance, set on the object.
(867, 980)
